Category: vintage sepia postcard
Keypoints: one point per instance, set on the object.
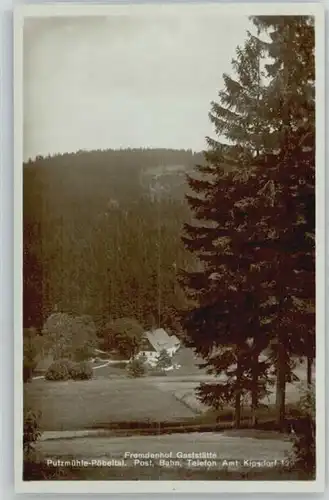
(169, 246)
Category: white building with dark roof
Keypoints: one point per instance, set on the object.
(156, 341)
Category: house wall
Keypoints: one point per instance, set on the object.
(151, 357)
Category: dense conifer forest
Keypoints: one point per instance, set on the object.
(102, 234)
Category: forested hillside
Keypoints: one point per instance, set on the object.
(102, 234)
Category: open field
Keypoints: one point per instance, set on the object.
(112, 397)
(100, 403)
(82, 404)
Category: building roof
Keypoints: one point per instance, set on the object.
(146, 345)
(174, 339)
(159, 339)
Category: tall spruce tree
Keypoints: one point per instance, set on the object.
(291, 106)
(225, 317)
(258, 244)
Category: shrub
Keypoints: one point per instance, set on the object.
(81, 371)
(136, 368)
(64, 369)
(164, 360)
(124, 335)
(71, 366)
(304, 451)
(70, 336)
(36, 471)
(31, 431)
(59, 370)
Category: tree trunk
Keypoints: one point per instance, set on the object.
(237, 409)
(237, 412)
(280, 386)
(309, 370)
(254, 394)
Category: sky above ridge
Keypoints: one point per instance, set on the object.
(124, 80)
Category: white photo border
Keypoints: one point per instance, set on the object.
(81, 487)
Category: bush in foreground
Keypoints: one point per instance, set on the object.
(59, 370)
(31, 431)
(81, 371)
(65, 369)
(136, 368)
(39, 471)
(304, 442)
